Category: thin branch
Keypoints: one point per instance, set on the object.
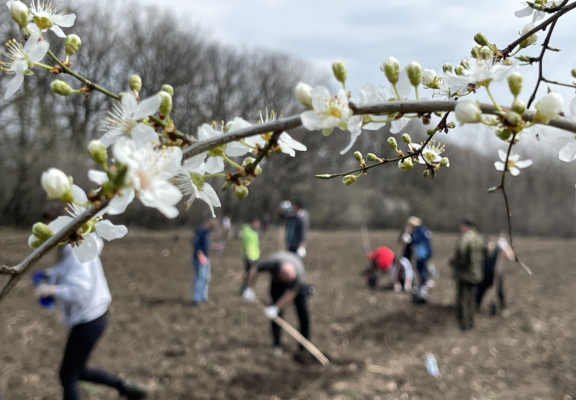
(540, 61)
(563, 10)
(569, 85)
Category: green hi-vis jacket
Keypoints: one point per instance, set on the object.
(468, 261)
(250, 243)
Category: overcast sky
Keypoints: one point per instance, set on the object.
(363, 33)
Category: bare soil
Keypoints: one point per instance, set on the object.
(377, 340)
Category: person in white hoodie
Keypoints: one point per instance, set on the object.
(81, 291)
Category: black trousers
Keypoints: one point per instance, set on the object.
(486, 283)
(276, 291)
(81, 341)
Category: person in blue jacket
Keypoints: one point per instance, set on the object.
(419, 240)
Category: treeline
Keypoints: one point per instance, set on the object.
(213, 82)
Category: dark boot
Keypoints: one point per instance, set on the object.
(132, 391)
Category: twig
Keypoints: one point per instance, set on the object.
(562, 9)
(569, 85)
(540, 61)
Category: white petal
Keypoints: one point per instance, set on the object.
(236, 149)
(214, 165)
(66, 20)
(162, 196)
(143, 133)
(524, 163)
(148, 107)
(111, 137)
(38, 52)
(206, 132)
(210, 197)
(13, 85)
(355, 128)
(59, 32)
(120, 202)
(568, 152)
(573, 108)
(291, 142)
(32, 40)
(525, 12)
(514, 171)
(398, 124)
(403, 86)
(320, 95)
(129, 105)
(59, 223)
(88, 249)
(502, 155)
(499, 165)
(311, 120)
(195, 163)
(98, 177)
(79, 194)
(107, 230)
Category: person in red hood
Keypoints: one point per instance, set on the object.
(382, 259)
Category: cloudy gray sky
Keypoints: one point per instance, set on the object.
(363, 33)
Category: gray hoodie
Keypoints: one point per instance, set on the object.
(81, 288)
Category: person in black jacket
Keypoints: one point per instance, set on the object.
(297, 228)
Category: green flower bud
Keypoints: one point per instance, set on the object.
(240, 192)
(405, 164)
(444, 162)
(98, 152)
(518, 106)
(406, 138)
(465, 63)
(166, 105)
(349, 179)
(485, 54)
(447, 67)
(168, 88)
(339, 72)
(135, 83)
(459, 70)
(358, 156)
(392, 143)
(250, 160)
(451, 125)
(513, 118)
(34, 242)
(391, 69)
(481, 39)
(61, 88)
(72, 44)
(503, 133)
(19, 13)
(475, 52)
(573, 72)
(431, 131)
(414, 71)
(42, 231)
(372, 157)
(515, 83)
(524, 58)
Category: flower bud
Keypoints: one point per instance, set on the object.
(57, 185)
(304, 94)
(19, 13)
(468, 111)
(530, 40)
(372, 157)
(447, 67)
(240, 192)
(414, 71)
(349, 179)
(431, 131)
(35, 242)
(406, 138)
(459, 70)
(98, 152)
(573, 72)
(250, 160)
(358, 156)
(481, 39)
(168, 88)
(391, 69)
(405, 164)
(513, 118)
(548, 107)
(166, 105)
(503, 133)
(42, 231)
(485, 54)
(451, 125)
(524, 58)
(135, 83)
(444, 162)
(430, 79)
(61, 88)
(392, 143)
(72, 44)
(465, 63)
(515, 83)
(339, 72)
(518, 106)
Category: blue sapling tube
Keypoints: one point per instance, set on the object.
(39, 278)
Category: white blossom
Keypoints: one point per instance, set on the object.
(514, 163)
(56, 184)
(536, 15)
(304, 94)
(329, 112)
(568, 152)
(190, 181)
(46, 16)
(21, 59)
(122, 121)
(468, 111)
(548, 107)
(532, 38)
(480, 72)
(431, 152)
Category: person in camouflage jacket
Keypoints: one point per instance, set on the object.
(468, 264)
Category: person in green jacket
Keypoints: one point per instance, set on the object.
(468, 263)
(250, 242)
